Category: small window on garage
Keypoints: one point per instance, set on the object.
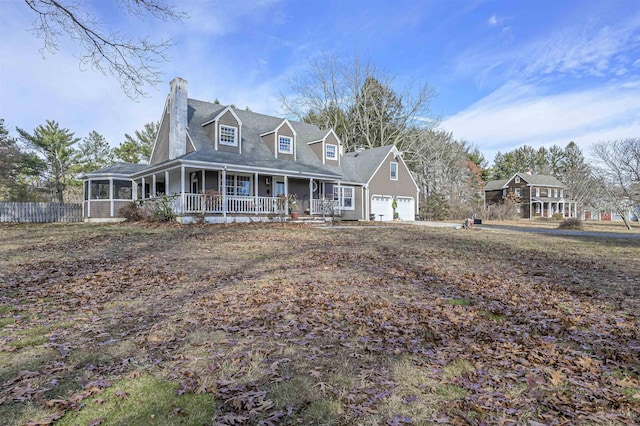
(393, 171)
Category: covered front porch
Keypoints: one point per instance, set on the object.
(219, 194)
(546, 207)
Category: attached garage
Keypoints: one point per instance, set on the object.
(381, 207)
(406, 208)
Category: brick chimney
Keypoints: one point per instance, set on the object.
(177, 118)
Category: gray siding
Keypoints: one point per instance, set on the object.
(356, 213)
(228, 119)
(161, 149)
(210, 130)
(381, 183)
(285, 130)
(269, 141)
(317, 149)
(101, 209)
(331, 139)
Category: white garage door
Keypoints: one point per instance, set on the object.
(381, 205)
(406, 208)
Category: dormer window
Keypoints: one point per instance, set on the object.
(331, 152)
(393, 171)
(285, 145)
(228, 135)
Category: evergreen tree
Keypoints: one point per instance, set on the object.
(55, 145)
(94, 153)
(137, 149)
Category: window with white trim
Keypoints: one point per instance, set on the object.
(393, 171)
(332, 151)
(228, 135)
(238, 185)
(518, 192)
(285, 145)
(344, 195)
(517, 179)
(537, 194)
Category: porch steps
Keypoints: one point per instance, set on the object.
(307, 219)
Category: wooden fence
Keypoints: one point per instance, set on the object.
(40, 212)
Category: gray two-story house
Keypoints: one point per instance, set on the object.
(230, 164)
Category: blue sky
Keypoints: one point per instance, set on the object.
(507, 73)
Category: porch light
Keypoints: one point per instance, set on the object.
(267, 181)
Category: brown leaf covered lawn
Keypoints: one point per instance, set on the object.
(273, 324)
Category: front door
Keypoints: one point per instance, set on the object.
(279, 189)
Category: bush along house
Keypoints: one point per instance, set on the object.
(222, 164)
(537, 196)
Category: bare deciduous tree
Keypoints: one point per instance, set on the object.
(358, 101)
(131, 61)
(619, 169)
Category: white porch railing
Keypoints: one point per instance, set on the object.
(214, 204)
(199, 203)
(324, 207)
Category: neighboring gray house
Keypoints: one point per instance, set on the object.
(539, 195)
(229, 163)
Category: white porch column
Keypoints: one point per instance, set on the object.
(166, 182)
(111, 205)
(223, 185)
(89, 198)
(84, 192)
(144, 193)
(310, 196)
(286, 192)
(182, 183)
(154, 191)
(134, 190)
(255, 193)
(203, 185)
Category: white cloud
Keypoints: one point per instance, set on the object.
(225, 17)
(518, 114)
(578, 48)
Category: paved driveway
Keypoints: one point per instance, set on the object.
(633, 234)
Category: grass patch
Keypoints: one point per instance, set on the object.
(457, 368)
(450, 392)
(322, 412)
(492, 316)
(29, 341)
(459, 302)
(34, 336)
(29, 358)
(632, 394)
(6, 321)
(5, 309)
(299, 391)
(145, 400)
